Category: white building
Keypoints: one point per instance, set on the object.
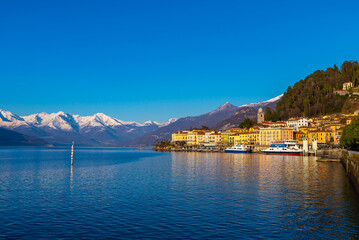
(207, 136)
(295, 123)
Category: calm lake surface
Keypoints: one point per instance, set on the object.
(123, 193)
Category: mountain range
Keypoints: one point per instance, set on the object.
(209, 119)
(102, 130)
(246, 111)
(224, 117)
(63, 128)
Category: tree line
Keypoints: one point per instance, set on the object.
(314, 96)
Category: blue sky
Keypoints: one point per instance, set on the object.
(141, 60)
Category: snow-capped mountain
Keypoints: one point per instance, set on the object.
(269, 103)
(60, 121)
(102, 130)
(9, 120)
(247, 111)
(68, 122)
(61, 128)
(171, 120)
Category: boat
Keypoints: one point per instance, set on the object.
(283, 147)
(238, 149)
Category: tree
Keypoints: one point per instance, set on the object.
(162, 143)
(204, 127)
(271, 115)
(355, 78)
(247, 123)
(314, 95)
(350, 135)
(306, 104)
(268, 114)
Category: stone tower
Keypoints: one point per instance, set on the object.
(260, 116)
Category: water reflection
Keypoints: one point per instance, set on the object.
(131, 194)
(72, 177)
(289, 192)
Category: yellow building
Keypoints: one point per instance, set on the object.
(267, 135)
(242, 138)
(200, 138)
(322, 135)
(247, 138)
(238, 138)
(236, 130)
(225, 136)
(335, 127)
(232, 138)
(215, 138)
(300, 135)
(192, 138)
(235, 135)
(253, 138)
(347, 85)
(180, 136)
(306, 129)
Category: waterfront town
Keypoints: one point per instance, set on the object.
(326, 130)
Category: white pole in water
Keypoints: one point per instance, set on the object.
(72, 154)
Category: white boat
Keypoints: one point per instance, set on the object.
(238, 149)
(283, 147)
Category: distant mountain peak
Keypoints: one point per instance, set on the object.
(224, 107)
(9, 116)
(169, 121)
(102, 116)
(60, 113)
(227, 104)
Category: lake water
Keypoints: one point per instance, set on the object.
(123, 193)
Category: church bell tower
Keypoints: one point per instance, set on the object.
(260, 116)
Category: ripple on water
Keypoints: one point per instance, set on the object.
(117, 193)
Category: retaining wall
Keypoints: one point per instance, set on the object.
(350, 160)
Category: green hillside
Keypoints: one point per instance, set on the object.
(314, 96)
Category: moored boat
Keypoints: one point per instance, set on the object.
(285, 147)
(238, 149)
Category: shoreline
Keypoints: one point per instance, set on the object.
(334, 153)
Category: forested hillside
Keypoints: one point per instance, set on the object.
(314, 96)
